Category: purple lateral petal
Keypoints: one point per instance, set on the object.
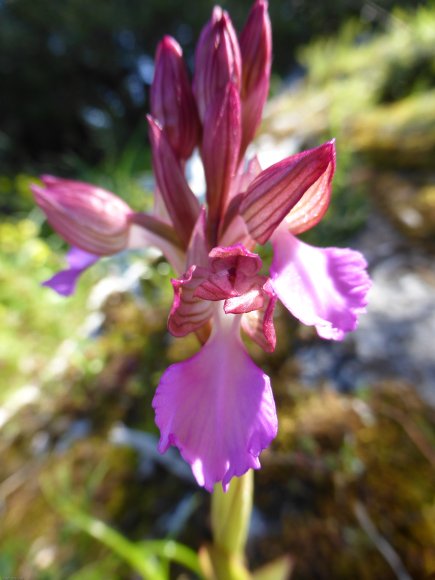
(217, 407)
(324, 287)
(64, 282)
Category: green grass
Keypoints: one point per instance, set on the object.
(34, 320)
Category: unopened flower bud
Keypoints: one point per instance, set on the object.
(172, 101)
(220, 151)
(86, 216)
(256, 51)
(256, 48)
(217, 59)
(180, 202)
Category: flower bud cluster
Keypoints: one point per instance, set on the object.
(218, 113)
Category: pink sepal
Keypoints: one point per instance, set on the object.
(277, 189)
(232, 229)
(312, 206)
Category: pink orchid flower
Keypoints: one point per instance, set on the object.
(217, 407)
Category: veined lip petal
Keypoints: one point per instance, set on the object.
(217, 408)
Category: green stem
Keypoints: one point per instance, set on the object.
(175, 552)
(230, 516)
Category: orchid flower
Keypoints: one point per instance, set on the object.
(217, 407)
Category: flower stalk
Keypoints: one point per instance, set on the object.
(231, 514)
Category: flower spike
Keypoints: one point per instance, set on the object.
(217, 407)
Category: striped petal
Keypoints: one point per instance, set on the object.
(278, 189)
(311, 208)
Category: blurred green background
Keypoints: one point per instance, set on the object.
(347, 490)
